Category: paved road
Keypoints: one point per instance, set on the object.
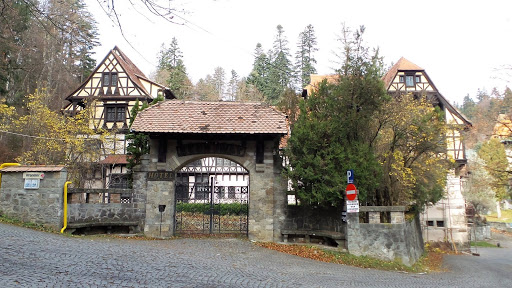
(36, 259)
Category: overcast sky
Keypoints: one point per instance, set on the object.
(459, 43)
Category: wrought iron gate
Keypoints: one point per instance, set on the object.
(212, 197)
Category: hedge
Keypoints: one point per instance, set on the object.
(224, 208)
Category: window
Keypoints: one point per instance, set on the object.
(401, 78)
(115, 114)
(417, 79)
(109, 79)
(430, 223)
(118, 181)
(409, 81)
(440, 223)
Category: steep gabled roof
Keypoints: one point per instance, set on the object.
(177, 116)
(402, 65)
(133, 72)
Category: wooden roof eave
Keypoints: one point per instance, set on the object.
(455, 111)
(211, 136)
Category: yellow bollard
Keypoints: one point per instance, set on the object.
(65, 206)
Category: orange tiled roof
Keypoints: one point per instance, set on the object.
(177, 116)
(402, 65)
(115, 159)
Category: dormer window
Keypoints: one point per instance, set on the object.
(109, 79)
(417, 78)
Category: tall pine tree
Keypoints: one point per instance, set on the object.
(172, 71)
(304, 58)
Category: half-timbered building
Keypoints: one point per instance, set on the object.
(111, 91)
(445, 220)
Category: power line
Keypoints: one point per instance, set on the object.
(42, 137)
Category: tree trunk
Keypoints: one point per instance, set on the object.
(498, 209)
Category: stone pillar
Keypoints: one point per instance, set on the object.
(397, 217)
(280, 197)
(352, 234)
(374, 217)
(160, 224)
(262, 194)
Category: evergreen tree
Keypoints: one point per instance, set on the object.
(304, 58)
(333, 134)
(280, 72)
(172, 71)
(258, 77)
(468, 107)
(233, 86)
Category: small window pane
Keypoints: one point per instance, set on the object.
(418, 79)
(111, 114)
(106, 79)
(120, 114)
(113, 79)
(409, 81)
(401, 79)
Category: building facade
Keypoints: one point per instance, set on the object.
(110, 92)
(445, 220)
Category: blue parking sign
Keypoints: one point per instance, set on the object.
(350, 176)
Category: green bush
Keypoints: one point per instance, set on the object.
(223, 209)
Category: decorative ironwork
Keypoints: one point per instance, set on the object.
(210, 148)
(211, 199)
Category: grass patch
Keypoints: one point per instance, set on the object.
(430, 261)
(14, 221)
(506, 216)
(482, 244)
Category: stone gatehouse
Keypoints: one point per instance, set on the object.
(182, 132)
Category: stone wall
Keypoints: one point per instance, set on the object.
(105, 214)
(401, 242)
(86, 208)
(507, 227)
(42, 206)
(480, 232)
(313, 218)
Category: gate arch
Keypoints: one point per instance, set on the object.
(212, 197)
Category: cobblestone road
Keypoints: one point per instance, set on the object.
(36, 259)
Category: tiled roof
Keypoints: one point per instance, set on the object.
(402, 65)
(115, 159)
(35, 168)
(177, 116)
(131, 70)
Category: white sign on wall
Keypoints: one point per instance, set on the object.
(31, 184)
(353, 206)
(33, 175)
